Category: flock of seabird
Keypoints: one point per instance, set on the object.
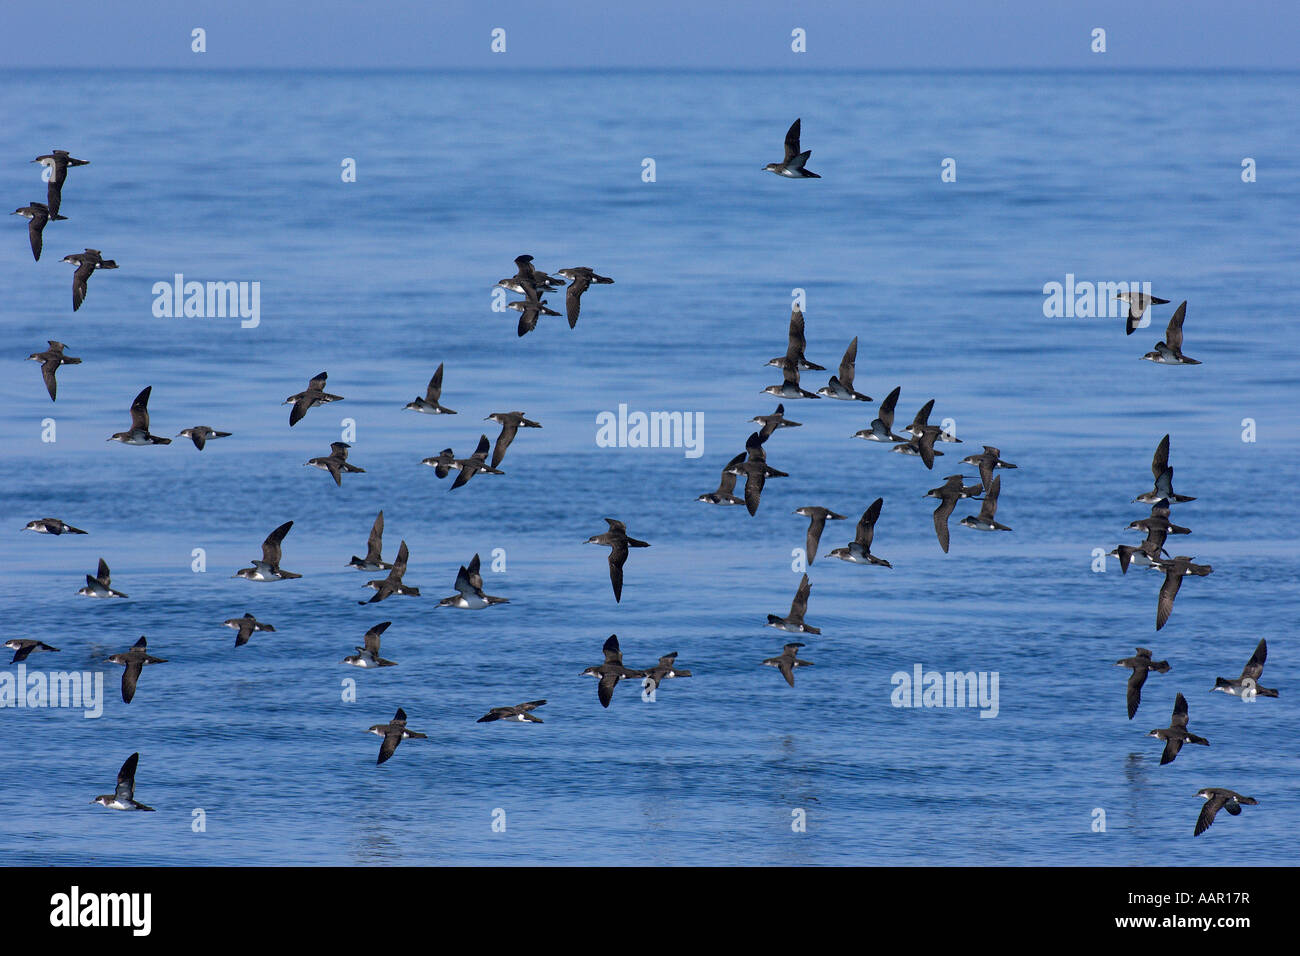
(532, 285)
(469, 592)
(1152, 555)
(751, 465)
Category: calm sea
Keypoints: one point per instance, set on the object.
(237, 177)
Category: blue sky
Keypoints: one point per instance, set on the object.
(455, 34)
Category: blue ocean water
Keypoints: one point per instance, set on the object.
(236, 176)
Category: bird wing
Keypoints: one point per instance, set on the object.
(866, 530)
(503, 442)
(1168, 590)
(1174, 331)
(815, 527)
(463, 584)
(528, 320)
(140, 410)
(271, 546)
(792, 140)
(989, 508)
(102, 575)
(848, 363)
(605, 689)
(79, 284)
(34, 227)
(434, 391)
(48, 368)
(727, 483)
(941, 514)
(1255, 666)
(1160, 461)
(925, 445)
(392, 737)
(467, 471)
(1209, 811)
(126, 778)
(799, 606)
(613, 654)
(923, 416)
(472, 573)
(300, 406)
(1179, 718)
(617, 557)
(1135, 682)
(795, 341)
(371, 640)
(375, 542)
(573, 297)
(399, 565)
(754, 481)
(129, 678)
(886, 412)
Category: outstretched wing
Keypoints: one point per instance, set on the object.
(613, 654)
(792, 140)
(371, 640)
(848, 363)
(1168, 591)
(799, 606)
(866, 530)
(941, 514)
(1179, 718)
(617, 558)
(1209, 812)
(1134, 695)
(503, 442)
(1255, 666)
(399, 564)
(375, 542)
(392, 738)
(754, 481)
(815, 527)
(271, 546)
(140, 409)
(1160, 461)
(990, 506)
(126, 778)
(1174, 332)
(886, 412)
(573, 297)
